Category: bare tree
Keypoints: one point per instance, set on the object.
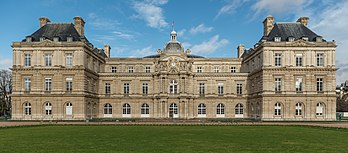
(5, 91)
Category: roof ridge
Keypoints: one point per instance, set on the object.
(59, 23)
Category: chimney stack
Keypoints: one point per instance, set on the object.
(43, 21)
(240, 50)
(268, 25)
(79, 25)
(303, 20)
(107, 49)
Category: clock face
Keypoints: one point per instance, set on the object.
(173, 63)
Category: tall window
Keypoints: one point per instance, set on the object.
(68, 109)
(239, 109)
(220, 89)
(145, 109)
(202, 109)
(298, 109)
(48, 59)
(147, 69)
(126, 88)
(145, 88)
(201, 89)
(320, 109)
(199, 69)
(27, 109)
(278, 59)
(173, 108)
(278, 84)
(239, 89)
(298, 84)
(27, 84)
(173, 87)
(130, 69)
(48, 84)
(299, 60)
(277, 109)
(113, 69)
(233, 69)
(107, 109)
(220, 109)
(126, 109)
(107, 88)
(27, 60)
(68, 59)
(320, 59)
(48, 108)
(320, 83)
(216, 69)
(69, 82)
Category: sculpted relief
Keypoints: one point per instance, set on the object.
(173, 65)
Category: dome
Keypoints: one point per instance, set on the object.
(173, 46)
(173, 32)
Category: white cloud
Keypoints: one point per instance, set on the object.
(181, 32)
(5, 63)
(230, 7)
(200, 29)
(151, 12)
(209, 46)
(143, 52)
(186, 45)
(123, 35)
(100, 23)
(280, 6)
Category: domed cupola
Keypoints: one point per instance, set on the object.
(173, 46)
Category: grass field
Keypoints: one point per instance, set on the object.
(110, 138)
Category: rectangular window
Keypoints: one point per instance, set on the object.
(220, 89)
(107, 88)
(239, 89)
(320, 59)
(299, 60)
(278, 84)
(130, 69)
(216, 69)
(69, 82)
(145, 88)
(126, 88)
(233, 69)
(48, 84)
(277, 59)
(27, 84)
(68, 59)
(27, 60)
(199, 69)
(201, 89)
(277, 39)
(320, 84)
(48, 59)
(147, 69)
(298, 84)
(114, 69)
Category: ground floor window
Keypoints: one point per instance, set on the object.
(320, 109)
(298, 109)
(48, 108)
(277, 109)
(126, 109)
(27, 109)
(145, 109)
(202, 109)
(68, 109)
(220, 109)
(107, 108)
(239, 109)
(173, 108)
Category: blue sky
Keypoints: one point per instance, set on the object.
(212, 28)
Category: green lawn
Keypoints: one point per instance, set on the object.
(110, 138)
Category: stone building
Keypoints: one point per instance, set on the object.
(288, 75)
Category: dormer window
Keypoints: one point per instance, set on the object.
(42, 38)
(55, 39)
(291, 39)
(69, 39)
(277, 39)
(318, 39)
(29, 39)
(305, 38)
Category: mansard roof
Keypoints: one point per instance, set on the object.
(61, 30)
(286, 30)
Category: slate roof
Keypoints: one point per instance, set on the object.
(188, 56)
(286, 30)
(61, 30)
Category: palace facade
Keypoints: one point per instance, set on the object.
(288, 75)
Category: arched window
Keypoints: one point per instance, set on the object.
(173, 108)
(126, 109)
(320, 109)
(202, 109)
(27, 109)
(220, 109)
(145, 109)
(298, 109)
(48, 108)
(68, 108)
(239, 109)
(173, 87)
(277, 109)
(107, 109)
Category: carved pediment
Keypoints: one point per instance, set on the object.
(301, 43)
(45, 42)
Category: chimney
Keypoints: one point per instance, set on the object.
(240, 50)
(43, 21)
(107, 49)
(79, 25)
(303, 20)
(268, 25)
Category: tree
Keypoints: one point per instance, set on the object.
(5, 91)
